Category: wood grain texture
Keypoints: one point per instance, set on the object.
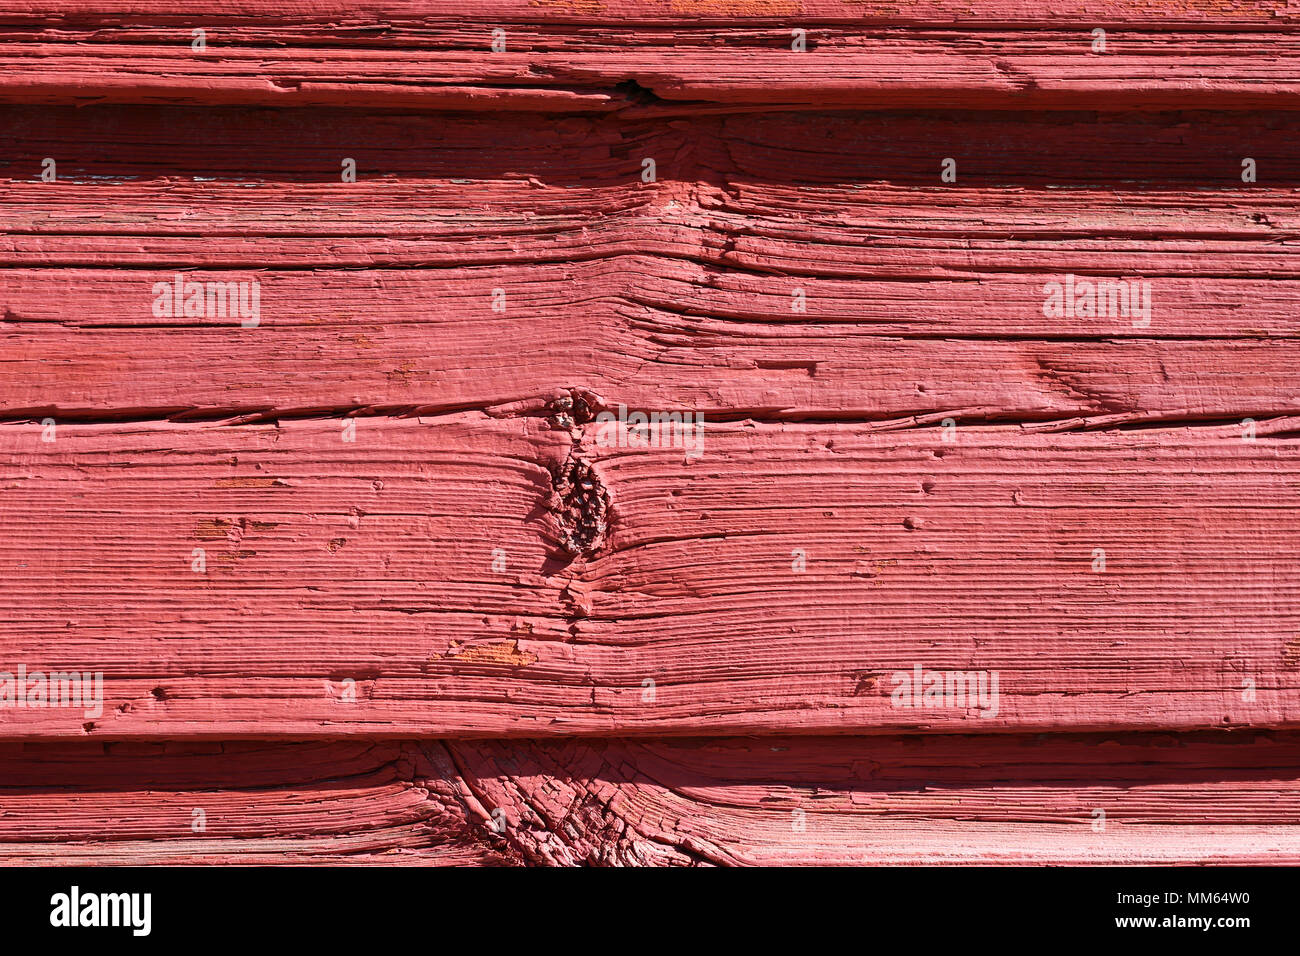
(374, 561)
(1004, 71)
(325, 14)
(919, 298)
(370, 561)
(913, 800)
(285, 803)
(661, 57)
(1211, 798)
(942, 576)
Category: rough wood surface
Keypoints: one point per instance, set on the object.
(370, 581)
(166, 803)
(992, 799)
(1113, 799)
(326, 14)
(918, 298)
(376, 560)
(587, 55)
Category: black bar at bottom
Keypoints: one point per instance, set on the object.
(382, 908)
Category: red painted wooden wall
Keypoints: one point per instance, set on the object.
(649, 432)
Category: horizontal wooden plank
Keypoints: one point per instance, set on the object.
(176, 804)
(593, 56)
(1010, 799)
(252, 157)
(916, 300)
(644, 333)
(885, 235)
(944, 70)
(981, 550)
(471, 576)
(989, 799)
(369, 15)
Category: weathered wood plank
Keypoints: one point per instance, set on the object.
(991, 799)
(646, 333)
(594, 57)
(981, 550)
(363, 17)
(483, 577)
(863, 163)
(1224, 71)
(169, 803)
(1063, 799)
(394, 545)
(916, 299)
